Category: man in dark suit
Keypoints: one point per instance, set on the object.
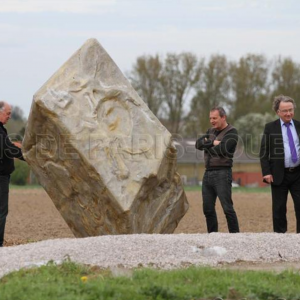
(8, 151)
(280, 161)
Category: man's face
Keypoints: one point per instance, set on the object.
(216, 121)
(286, 111)
(5, 114)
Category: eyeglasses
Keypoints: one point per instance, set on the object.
(285, 111)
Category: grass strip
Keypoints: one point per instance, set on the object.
(25, 187)
(72, 281)
(234, 190)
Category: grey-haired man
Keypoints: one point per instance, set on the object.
(280, 161)
(8, 151)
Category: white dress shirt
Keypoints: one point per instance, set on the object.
(288, 163)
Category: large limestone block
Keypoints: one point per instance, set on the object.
(105, 160)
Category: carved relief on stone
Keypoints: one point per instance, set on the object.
(106, 161)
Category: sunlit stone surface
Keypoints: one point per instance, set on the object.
(105, 160)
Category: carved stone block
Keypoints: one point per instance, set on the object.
(105, 160)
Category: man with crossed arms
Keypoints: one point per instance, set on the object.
(219, 144)
(280, 163)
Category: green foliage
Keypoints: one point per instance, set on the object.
(17, 113)
(16, 125)
(25, 187)
(21, 173)
(159, 292)
(66, 282)
(250, 129)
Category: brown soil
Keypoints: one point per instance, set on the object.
(33, 217)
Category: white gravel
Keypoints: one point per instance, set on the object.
(161, 251)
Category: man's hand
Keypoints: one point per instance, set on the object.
(216, 143)
(18, 144)
(268, 179)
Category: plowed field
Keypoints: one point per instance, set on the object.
(33, 217)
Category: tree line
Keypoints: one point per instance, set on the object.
(180, 89)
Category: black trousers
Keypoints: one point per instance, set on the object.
(290, 183)
(217, 183)
(4, 189)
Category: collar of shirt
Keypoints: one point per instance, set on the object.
(292, 123)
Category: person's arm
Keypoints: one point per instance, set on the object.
(9, 149)
(227, 146)
(204, 142)
(17, 148)
(264, 155)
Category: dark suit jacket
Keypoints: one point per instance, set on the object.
(272, 150)
(8, 151)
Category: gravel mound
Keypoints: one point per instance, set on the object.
(155, 250)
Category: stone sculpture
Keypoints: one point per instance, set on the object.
(105, 160)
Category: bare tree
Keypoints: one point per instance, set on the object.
(16, 126)
(243, 87)
(212, 89)
(180, 74)
(145, 78)
(286, 80)
(250, 85)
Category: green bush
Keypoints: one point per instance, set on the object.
(21, 173)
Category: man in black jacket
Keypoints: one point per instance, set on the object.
(280, 161)
(8, 151)
(219, 144)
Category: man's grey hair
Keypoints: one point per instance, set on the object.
(220, 109)
(2, 104)
(282, 98)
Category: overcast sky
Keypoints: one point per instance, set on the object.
(38, 36)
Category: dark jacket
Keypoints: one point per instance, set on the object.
(219, 156)
(8, 151)
(272, 150)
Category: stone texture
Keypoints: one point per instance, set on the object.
(105, 160)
